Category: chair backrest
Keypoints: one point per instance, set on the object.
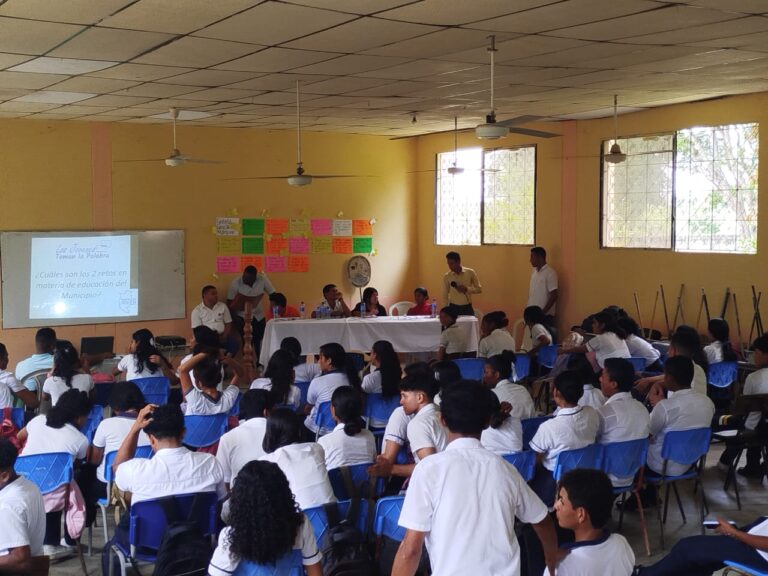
(637, 363)
(357, 360)
(522, 365)
(147, 519)
(360, 480)
(102, 392)
(686, 446)
(94, 419)
(17, 417)
(288, 565)
(530, 426)
(402, 308)
(155, 389)
(548, 355)
(385, 522)
(235, 410)
(204, 430)
(524, 462)
(624, 459)
(323, 417)
(588, 457)
(47, 471)
(722, 374)
(471, 368)
(377, 407)
(319, 520)
(304, 389)
(109, 460)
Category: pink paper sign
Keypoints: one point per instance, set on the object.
(275, 264)
(298, 245)
(227, 264)
(322, 227)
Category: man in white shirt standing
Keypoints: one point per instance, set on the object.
(543, 291)
(250, 287)
(216, 316)
(462, 503)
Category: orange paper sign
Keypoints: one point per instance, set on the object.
(342, 245)
(256, 261)
(361, 228)
(277, 246)
(298, 264)
(277, 225)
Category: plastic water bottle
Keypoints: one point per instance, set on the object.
(275, 312)
(302, 309)
(434, 308)
(362, 309)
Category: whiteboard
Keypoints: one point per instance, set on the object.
(157, 274)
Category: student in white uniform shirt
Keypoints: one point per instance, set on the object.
(720, 349)
(66, 375)
(495, 336)
(686, 343)
(216, 315)
(453, 343)
(605, 344)
(543, 290)
(349, 443)
(574, 427)
(144, 360)
(498, 373)
(469, 487)
(337, 371)
(534, 320)
(304, 371)
(23, 518)
(278, 380)
(205, 340)
(385, 374)
(11, 388)
(207, 399)
(445, 372)
(584, 504)
(638, 346)
(504, 434)
(303, 463)
(42, 359)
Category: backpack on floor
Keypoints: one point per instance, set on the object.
(184, 551)
(345, 551)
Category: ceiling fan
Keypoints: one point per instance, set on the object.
(176, 158)
(615, 156)
(301, 178)
(454, 168)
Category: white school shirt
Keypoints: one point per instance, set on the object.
(306, 372)
(537, 331)
(200, 404)
(453, 340)
(760, 530)
(622, 418)
(607, 345)
(495, 343)
(591, 397)
(219, 386)
(610, 555)
(571, 429)
(23, 516)
(8, 387)
(320, 390)
(640, 348)
(225, 563)
(397, 428)
(240, 446)
(505, 439)
(127, 364)
(56, 386)
(294, 394)
(304, 466)
(42, 439)
(372, 382)
(342, 450)
(466, 499)
(542, 283)
(215, 318)
(172, 471)
(518, 396)
(110, 435)
(260, 286)
(714, 352)
(685, 410)
(756, 383)
(33, 364)
(426, 431)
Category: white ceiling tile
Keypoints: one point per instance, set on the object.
(8, 60)
(351, 64)
(110, 44)
(117, 101)
(179, 102)
(127, 112)
(80, 109)
(103, 118)
(19, 106)
(46, 65)
(434, 44)
(55, 97)
(702, 60)
(535, 75)
(417, 69)
(276, 60)
(455, 13)
(208, 78)
(746, 6)
(279, 82)
(391, 89)
(218, 94)
(155, 90)
(342, 85)
(272, 23)
(28, 80)
(360, 35)
(71, 11)
(169, 16)
(575, 56)
(640, 55)
(362, 7)
(11, 93)
(33, 37)
(275, 98)
(52, 116)
(330, 102)
(688, 35)
(91, 84)
(514, 49)
(14, 114)
(140, 72)
(196, 52)
(757, 42)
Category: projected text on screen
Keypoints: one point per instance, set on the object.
(85, 276)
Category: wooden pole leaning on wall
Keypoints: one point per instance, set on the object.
(639, 316)
(724, 309)
(248, 357)
(742, 346)
(666, 314)
(679, 309)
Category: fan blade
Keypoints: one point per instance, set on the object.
(143, 160)
(518, 120)
(262, 177)
(534, 133)
(202, 161)
(446, 170)
(340, 176)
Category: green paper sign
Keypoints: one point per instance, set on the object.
(253, 227)
(253, 245)
(362, 245)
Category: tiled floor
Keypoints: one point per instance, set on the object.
(754, 500)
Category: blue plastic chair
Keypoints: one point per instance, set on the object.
(688, 447)
(323, 419)
(722, 374)
(522, 366)
(235, 410)
(109, 476)
(147, 528)
(357, 360)
(102, 392)
(530, 426)
(204, 430)
(288, 565)
(94, 419)
(386, 518)
(547, 355)
(637, 363)
(736, 568)
(360, 478)
(524, 462)
(471, 368)
(379, 408)
(304, 388)
(319, 520)
(588, 457)
(47, 471)
(155, 389)
(17, 417)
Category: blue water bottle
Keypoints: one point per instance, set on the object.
(434, 308)
(362, 309)
(302, 309)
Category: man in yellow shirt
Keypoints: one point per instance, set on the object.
(459, 283)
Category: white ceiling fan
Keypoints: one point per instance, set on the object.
(615, 156)
(176, 158)
(454, 169)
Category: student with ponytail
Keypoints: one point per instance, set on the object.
(720, 350)
(66, 375)
(349, 443)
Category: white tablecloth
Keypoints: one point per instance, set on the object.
(407, 333)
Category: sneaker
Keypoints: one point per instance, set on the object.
(56, 553)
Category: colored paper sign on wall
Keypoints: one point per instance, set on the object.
(362, 245)
(275, 263)
(322, 246)
(227, 226)
(277, 245)
(298, 263)
(227, 246)
(227, 264)
(256, 261)
(253, 245)
(277, 226)
(298, 245)
(362, 228)
(342, 227)
(298, 226)
(342, 245)
(253, 227)
(322, 226)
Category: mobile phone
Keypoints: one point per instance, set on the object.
(712, 524)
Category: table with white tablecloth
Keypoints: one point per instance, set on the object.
(406, 333)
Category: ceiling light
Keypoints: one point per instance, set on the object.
(453, 170)
(491, 131)
(615, 156)
(72, 66)
(54, 97)
(299, 180)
